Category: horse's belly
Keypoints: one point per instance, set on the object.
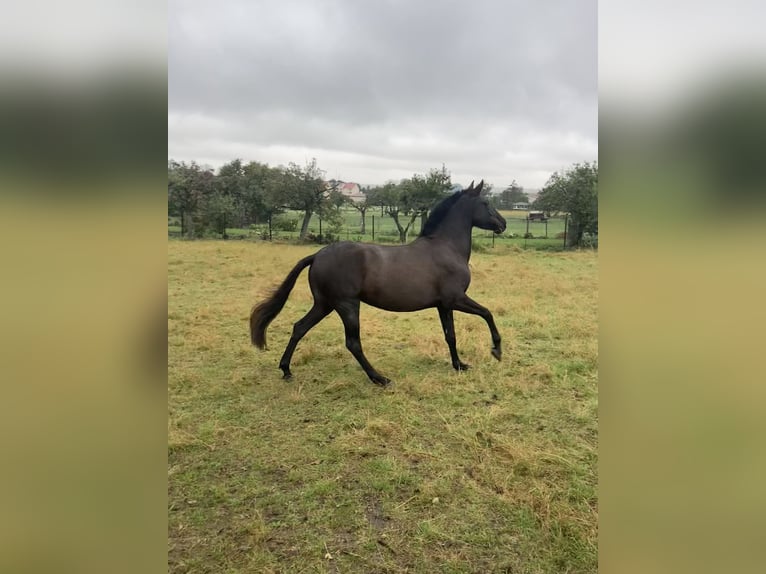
(399, 279)
(399, 297)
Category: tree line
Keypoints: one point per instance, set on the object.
(242, 194)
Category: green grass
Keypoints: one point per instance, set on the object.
(491, 470)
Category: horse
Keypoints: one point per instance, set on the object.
(432, 271)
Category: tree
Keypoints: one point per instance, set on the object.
(217, 211)
(575, 192)
(410, 198)
(390, 198)
(331, 215)
(189, 185)
(362, 207)
(422, 192)
(260, 193)
(514, 193)
(230, 184)
(303, 189)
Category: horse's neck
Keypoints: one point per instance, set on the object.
(456, 230)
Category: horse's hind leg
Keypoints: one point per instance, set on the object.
(315, 314)
(349, 314)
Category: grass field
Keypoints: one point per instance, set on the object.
(491, 470)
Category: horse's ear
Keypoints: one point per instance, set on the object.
(475, 191)
(469, 189)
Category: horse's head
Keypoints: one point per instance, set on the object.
(484, 215)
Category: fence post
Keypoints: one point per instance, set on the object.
(493, 240)
(526, 233)
(269, 227)
(373, 228)
(566, 226)
(546, 228)
(320, 229)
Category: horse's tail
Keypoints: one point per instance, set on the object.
(264, 313)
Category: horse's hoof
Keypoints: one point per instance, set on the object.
(497, 352)
(287, 375)
(461, 367)
(381, 381)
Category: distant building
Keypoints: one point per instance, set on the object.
(349, 189)
(352, 191)
(526, 205)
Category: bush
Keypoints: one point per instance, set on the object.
(284, 222)
(590, 240)
(329, 238)
(323, 239)
(387, 238)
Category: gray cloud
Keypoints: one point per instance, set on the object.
(380, 90)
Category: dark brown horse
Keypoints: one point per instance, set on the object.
(432, 271)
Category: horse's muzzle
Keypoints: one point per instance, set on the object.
(499, 225)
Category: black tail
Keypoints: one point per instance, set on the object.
(264, 313)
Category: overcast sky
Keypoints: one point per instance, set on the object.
(379, 90)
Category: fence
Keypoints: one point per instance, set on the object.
(526, 233)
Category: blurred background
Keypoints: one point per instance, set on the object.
(82, 239)
(682, 106)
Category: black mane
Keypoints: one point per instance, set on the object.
(438, 214)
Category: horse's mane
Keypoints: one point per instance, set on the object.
(438, 214)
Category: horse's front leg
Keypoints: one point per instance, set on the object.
(448, 326)
(468, 305)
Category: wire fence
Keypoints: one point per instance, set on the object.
(521, 230)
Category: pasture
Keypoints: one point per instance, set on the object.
(489, 470)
